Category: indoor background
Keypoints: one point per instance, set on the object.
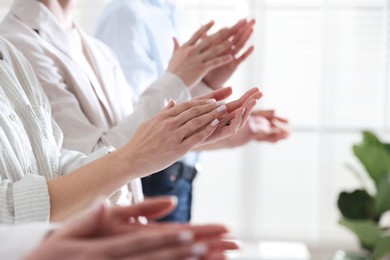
(324, 64)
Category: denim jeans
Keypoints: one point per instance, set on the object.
(175, 180)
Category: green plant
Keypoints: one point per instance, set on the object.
(362, 209)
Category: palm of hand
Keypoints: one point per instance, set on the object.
(217, 77)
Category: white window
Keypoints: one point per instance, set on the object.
(324, 65)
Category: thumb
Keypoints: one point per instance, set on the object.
(171, 103)
(175, 44)
(219, 94)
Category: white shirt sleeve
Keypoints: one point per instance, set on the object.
(18, 241)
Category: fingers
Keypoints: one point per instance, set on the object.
(248, 109)
(176, 44)
(231, 126)
(270, 115)
(200, 115)
(253, 93)
(245, 55)
(209, 249)
(200, 231)
(264, 113)
(171, 103)
(179, 252)
(222, 245)
(143, 241)
(160, 242)
(150, 208)
(218, 62)
(242, 36)
(200, 136)
(238, 25)
(179, 109)
(197, 123)
(215, 39)
(276, 120)
(218, 94)
(199, 33)
(215, 51)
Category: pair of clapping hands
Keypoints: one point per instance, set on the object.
(111, 233)
(205, 122)
(211, 58)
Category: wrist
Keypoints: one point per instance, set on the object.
(210, 85)
(129, 163)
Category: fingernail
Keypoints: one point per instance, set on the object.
(174, 199)
(199, 249)
(167, 101)
(212, 100)
(220, 103)
(185, 237)
(214, 123)
(222, 108)
(142, 220)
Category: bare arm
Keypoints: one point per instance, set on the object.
(156, 144)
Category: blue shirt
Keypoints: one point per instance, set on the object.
(140, 33)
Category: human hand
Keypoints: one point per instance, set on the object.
(107, 233)
(194, 59)
(238, 112)
(170, 134)
(218, 94)
(262, 125)
(238, 35)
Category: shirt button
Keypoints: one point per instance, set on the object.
(30, 169)
(12, 117)
(1, 56)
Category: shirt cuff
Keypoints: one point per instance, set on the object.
(31, 199)
(99, 153)
(173, 86)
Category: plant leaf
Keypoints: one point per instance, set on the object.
(357, 205)
(374, 156)
(382, 248)
(387, 146)
(370, 138)
(367, 231)
(364, 179)
(382, 199)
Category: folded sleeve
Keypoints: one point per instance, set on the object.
(26, 200)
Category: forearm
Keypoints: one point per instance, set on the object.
(74, 192)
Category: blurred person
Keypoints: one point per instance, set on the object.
(41, 182)
(111, 233)
(140, 33)
(88, 93)
(144, 34)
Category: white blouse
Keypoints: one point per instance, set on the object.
(30, 143)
